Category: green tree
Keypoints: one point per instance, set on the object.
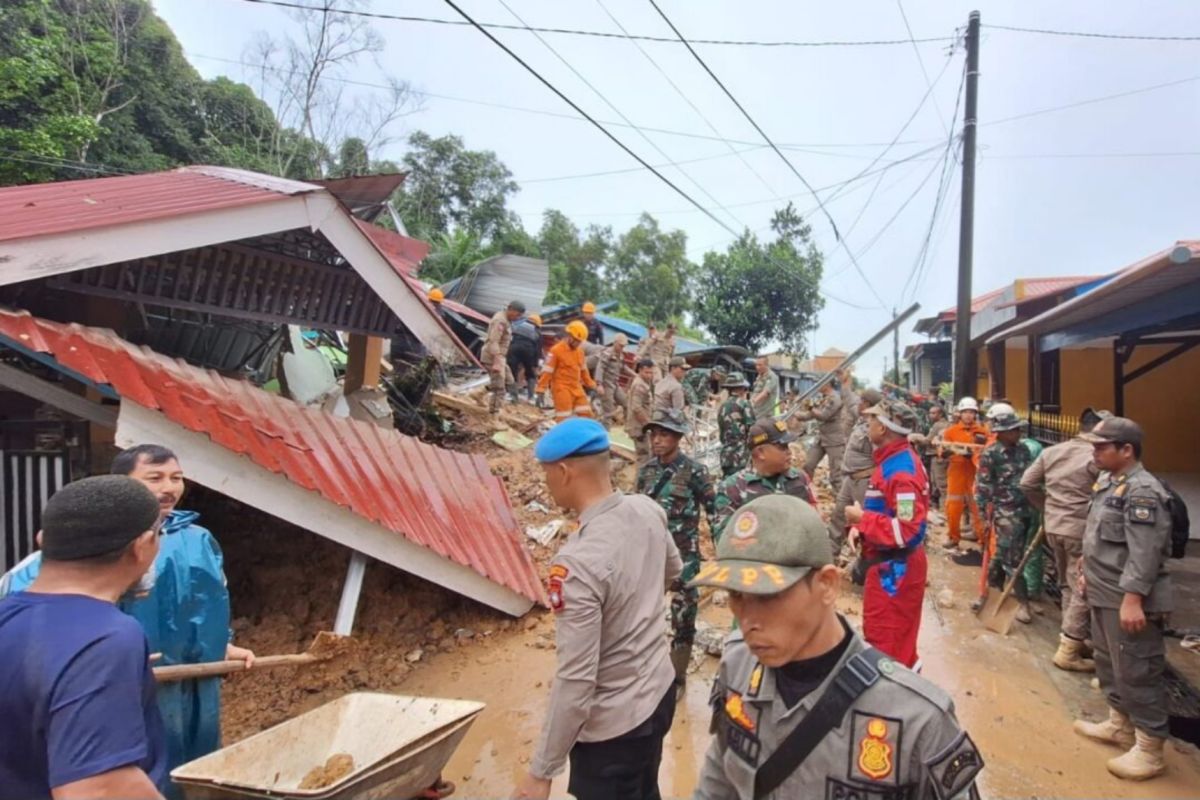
(577, 261)
(649, 271)
(451, 255)
(756, 292)
(353, 159)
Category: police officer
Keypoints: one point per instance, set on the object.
(494, 354)
(1126, 544)
(613, 698)
(802, 706)
(734, 420)
(682, 487)
(639, 408)
(668, 392)
(857, 465)
(831, 435)
(770, 472)
(610, 367)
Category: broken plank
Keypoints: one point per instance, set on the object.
(458, 404)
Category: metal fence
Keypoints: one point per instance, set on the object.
(1049, 426)
(27, 479)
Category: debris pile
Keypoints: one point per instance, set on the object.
(338, 766)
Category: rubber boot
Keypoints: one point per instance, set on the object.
(1143, 761)
(681, 659)
(1070, 656)
(494, 402)
(1116, 730)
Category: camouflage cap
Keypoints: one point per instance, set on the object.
(1005, 422)
(895, 416)
(736, 381)
(769, 431)
(669, 419)
(769, 544)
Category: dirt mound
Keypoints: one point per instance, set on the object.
(333, 770)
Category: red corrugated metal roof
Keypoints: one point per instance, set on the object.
(443, 500)
(405, 253)
(49, 208)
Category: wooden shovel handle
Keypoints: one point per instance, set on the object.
(208, 669)
(1037, 540)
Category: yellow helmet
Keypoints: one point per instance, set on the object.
(436, 295)
(536, 319)
(589, 308)
(577, 330)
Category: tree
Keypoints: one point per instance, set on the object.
(577, 264)
(450, 187)
(649, 271)
(451, 255)
(756, 292)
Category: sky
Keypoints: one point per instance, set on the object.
(1082, 190)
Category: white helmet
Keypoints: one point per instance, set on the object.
(967, 404)
(1000, 408)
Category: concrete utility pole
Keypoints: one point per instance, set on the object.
(964, 362)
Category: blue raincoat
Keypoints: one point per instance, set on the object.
(186, 618)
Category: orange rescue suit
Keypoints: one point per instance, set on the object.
(566, 374)
(960, 479)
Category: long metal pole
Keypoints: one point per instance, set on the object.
(896, 348)
(964, 367)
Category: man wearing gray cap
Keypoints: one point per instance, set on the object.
(802, 706)
(1126, 544)
(610, 366)
(858, 463)
(494, 353)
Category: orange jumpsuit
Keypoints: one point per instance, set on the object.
(960, 479)
(566, 374)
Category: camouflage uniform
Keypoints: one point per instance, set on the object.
(734, 421)
(998, 489)
(682, 488)
(697, 386)
(742, 487)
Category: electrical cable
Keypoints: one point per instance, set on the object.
(1092, 100)
(1132, 37)
(920, 62)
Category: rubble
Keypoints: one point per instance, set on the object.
(710, 638)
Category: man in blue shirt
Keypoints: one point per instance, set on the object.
(77, 694)
(183, 609)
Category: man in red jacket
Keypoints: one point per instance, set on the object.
(890, 525)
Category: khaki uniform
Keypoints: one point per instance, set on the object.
(851, 405)
(660, 349)
(668, 393)
(1126, 544)
(768, 383)
(606, 590)
(937, 463)
(609, 368)
(831, 438)
(638, 411)
(900, 738)
(495, 352)
(858, 463)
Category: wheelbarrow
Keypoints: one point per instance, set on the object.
(390, 746)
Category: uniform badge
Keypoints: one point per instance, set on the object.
(745, 525)
(906, 505)
(874, 752)
(735, 709)
(755, 681)
(554, 587)
(739, 730)
(955, 768)
(1143, 510)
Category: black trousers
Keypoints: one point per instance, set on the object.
(523, 353)
(624, 768)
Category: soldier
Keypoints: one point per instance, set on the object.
(609, 369)
(764, 395)
(699, 385)
(494, 354)
(831, 436)
(858, 464)
(802, 706)
(595, 329)
(1060, 483)
(682, 487)
(770, 472)
(668, 392)
(1000, 499)
(891, 526)
(1125, 547)
(640, 408)
(733, 421)
(612, 700)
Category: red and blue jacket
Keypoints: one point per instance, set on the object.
(893, 521)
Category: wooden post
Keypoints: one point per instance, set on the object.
(364, 362)
(1119, 356)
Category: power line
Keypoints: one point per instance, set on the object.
(627, 170)
(920, 62)
(612, 137)
(1132, 37)
(1093, 100)
(38, 159)
(597, 34)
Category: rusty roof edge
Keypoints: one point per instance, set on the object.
(257, 180)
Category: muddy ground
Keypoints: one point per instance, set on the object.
(413, 637)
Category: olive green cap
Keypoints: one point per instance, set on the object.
(768, 545)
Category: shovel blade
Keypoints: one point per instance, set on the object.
(998, 615)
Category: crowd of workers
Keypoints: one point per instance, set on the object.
(803, 705)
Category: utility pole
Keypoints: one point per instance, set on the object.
(896, 348)
(964, 362)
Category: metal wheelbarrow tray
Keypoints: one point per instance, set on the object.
(399, 744)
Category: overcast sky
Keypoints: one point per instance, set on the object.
(1077, 191)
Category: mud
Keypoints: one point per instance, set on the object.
(338, 766)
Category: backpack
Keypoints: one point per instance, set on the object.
(1181, 528)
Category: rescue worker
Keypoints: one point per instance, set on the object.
(764, 394)
(183, 607)
(613, 698)
(851, 402)
(640, 409)
(524, 354)
(1000, 499)
(770, 472)
(661, 349)
(594, 328)
(733, 422)
(436, 296)
(643, 348)
(682, 487)
(968, 434)
(609, 368)
(1126, 543)
(831, 436)
(937, 459)
(802, 706)
(890, 524)
(566, 374)
(668, 392)
(494, 354)
(1060, 483)
(858, 464)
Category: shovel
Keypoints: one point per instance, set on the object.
(999, 610)
(326, 646)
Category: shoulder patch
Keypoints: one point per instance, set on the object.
(954, 769)
(1143, 510)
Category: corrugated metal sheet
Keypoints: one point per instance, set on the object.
(493, 283)
(404, 252)
(49, 208)
(446, 501)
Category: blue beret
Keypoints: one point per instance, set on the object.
(577, 436)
